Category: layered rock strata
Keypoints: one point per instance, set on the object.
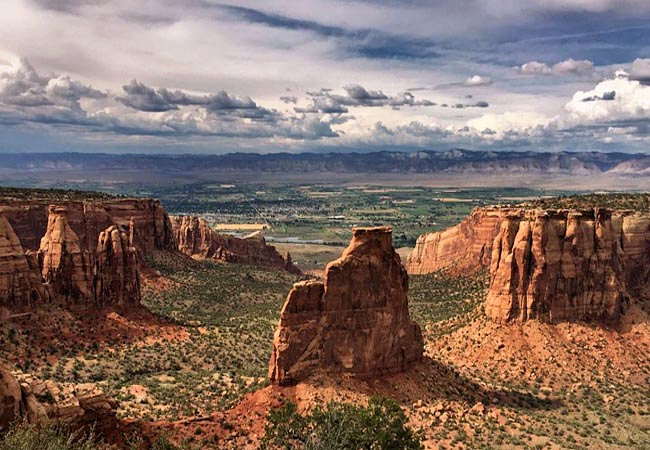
(146, 219)
(20, 278)
(464, 248)
(356, 321)
(196, 238)
(568, 265)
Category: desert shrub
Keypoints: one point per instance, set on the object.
(380, 425)
(49, 437)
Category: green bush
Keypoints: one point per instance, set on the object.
(50, 437)
(379, 426)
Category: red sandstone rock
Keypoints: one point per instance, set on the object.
(465, 248)
(25, 398)
(356, 321)
(65, 265)
(21, 285)
(196, 238)
(116, 276)
(567, 265)
(151, 226)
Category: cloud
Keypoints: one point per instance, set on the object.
(569, 66)
(289, 99)
(478, 80)
(625, 99)
(26, 97)
(324, 101)
(640, 71)
(145, 98)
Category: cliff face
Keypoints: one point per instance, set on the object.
(355, 321)
(147, 219)
(88, 253)
(568, 265)
(196, 238)
(20, 278)
(550, 265)
(466, 247)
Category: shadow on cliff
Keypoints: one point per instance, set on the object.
(431, 380)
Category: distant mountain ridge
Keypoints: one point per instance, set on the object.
(452, 161)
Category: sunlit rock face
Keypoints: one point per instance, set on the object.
(355, 321)
(571, 265)
(196, 238)
(464, 248)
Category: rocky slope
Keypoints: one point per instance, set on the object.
(466, 247)
(196, 238)
(356, 321)
(552, 265)
(24, 398)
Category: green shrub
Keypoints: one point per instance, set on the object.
(381, 425)
(50, 437)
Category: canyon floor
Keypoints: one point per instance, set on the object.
(192, 364)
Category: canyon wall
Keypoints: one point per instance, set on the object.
(355, 321)
(464, 248)
(560, 265)
(551, 265)
(83, 253)
(196, 238)
(145, 218)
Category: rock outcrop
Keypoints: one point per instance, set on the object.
(146, 218)
(21, 285)
(66, 266)
(464, 248)
(25, 398)
(356, 321)
(116, 278)
(561, 265)
(196, 238)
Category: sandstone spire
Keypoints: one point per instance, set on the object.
(355, 321)
(66, 265)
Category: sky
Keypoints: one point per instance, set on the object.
(163, 76)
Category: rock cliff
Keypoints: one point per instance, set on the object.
(196, 238)
(20, 279)
(464, 248)
(116, 277)
(560, 265)
(552, 265)
(66, 266)
(25, 398)
(356, 321)
(146, 218)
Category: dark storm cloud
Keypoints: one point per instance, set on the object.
(324, 101)
(607, 96)
(145, 98)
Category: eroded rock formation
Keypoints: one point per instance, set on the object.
(568, 265)
(25, 398)
(21, 285)
(149, 223)
(356, 321)
(116, 278)
(464, 248)
(66, 266)
(196, 238)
